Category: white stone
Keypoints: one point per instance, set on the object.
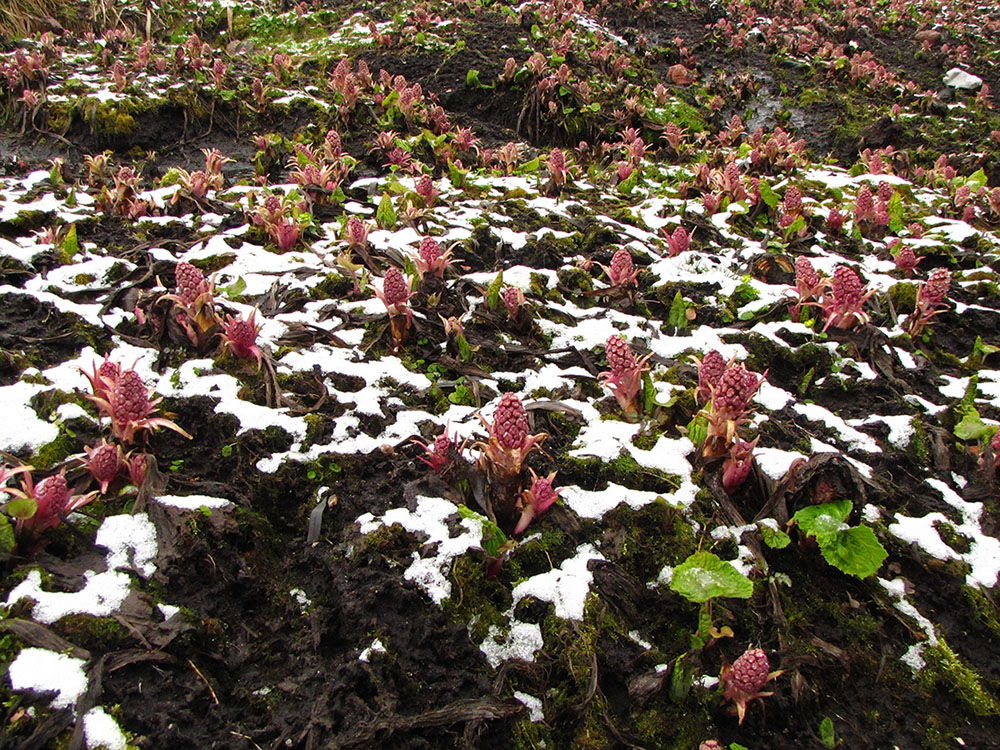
(959, 79)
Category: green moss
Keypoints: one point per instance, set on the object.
(100, 634)
(575, 279)
(595, 473)
(903, 296)
(56, 452)
(476, 600)
(985, 609)
(945, 666)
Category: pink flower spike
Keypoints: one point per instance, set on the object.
(736, 467)
(104, 462)
(536, 500)
(240, 336)
(843, 303)
(710, 369)
(744, 678)
(678, 242)
(131, 410)
(509, 442)
(624, 378)
(431, 259)
(438, 454)
(513, 298)
(622, 271)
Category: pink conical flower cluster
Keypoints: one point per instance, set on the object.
(509, 442)
(710, 369)
(745, 677)
(191, 283)
(536, 500)
(931, 300)
(622, 271)
(845, 298)
(125, 399)
(240, 336)
(624, 376)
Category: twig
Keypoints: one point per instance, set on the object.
(215, 698)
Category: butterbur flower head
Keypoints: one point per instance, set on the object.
(736, 467)
(536, 500)
(557, 166)
(906, 258)
(935, 291)
(395, 290)
(624, 377)
(864, 205)
(104, 462)
(510, 422)
(137, 465)
(845, 300)
(806, 277)
(431, 259)
(745, 677)
(622, 271)
(191, 283)
(437, 454)
(130, 408)
(52, 496)
(710, 370)
(509, 442)
(241, 337)
(356, 233)
(620, 356)
(677, 242)
(513, 298)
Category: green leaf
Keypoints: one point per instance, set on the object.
(704, 576)
(827, 518)
(493, 293)
(626, 186)
(971, 427)
(855, 551)
(795, 226)
(677, 317)
(826, 734)
(767, 195)
(979, 352)
(976, 180)
(6, 537)
(774, 537)
(456, 175)
(472, 78)
(22, 508)
(895, 210)
(385, 215)
(236, 288)
(648, 393)
(681, 678)
(531, 166)
(697, 429)
(70, 244)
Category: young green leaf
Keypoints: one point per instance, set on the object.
(826, 734)
(385, 214)
(774, 537)
(677, 317)
(854, 551)
(704, 576)
(827, 518)
(22, 508)
(767, 195)
(493, 293)
(971, 427)
(70, 244)
(6, 537)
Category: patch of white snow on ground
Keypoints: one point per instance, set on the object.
(43, 671)
(102, 731)
(131, 543)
